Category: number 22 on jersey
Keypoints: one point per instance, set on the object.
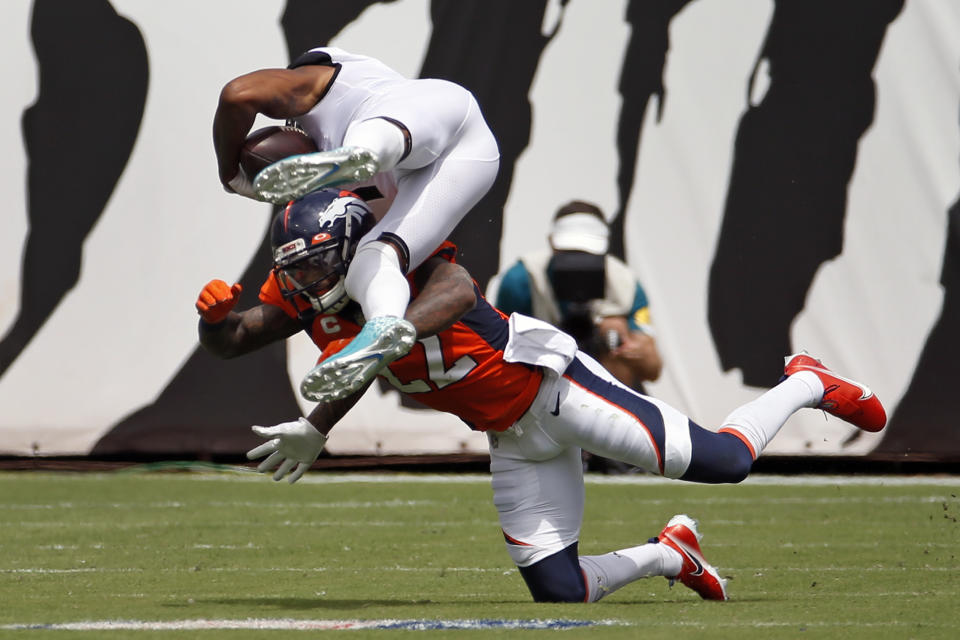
(437, 371)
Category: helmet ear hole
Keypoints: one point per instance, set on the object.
(313, 241)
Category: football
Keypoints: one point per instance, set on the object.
(267, 145)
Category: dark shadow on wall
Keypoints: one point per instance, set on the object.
(78, 135)
(491, 47)
(210, 404)
(925, 421)
(309, 23)
(641, 78)
(794, 155)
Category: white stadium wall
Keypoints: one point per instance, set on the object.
(107, 362)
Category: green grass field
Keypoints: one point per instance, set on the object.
(865, 560)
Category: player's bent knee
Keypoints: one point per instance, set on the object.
(738, 460)
(556, 578)
(738, 471)
(718, 458)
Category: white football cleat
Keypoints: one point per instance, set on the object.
(381, 341)
(296, 176)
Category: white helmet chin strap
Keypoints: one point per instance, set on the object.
(323, 304)
(331, 301)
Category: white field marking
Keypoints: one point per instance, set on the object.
(878, 594)
(792, 481)
(397, 568)
(827, 624)
(288, 624)
(365, 524)
(592, 478)
(433, 569)
(858, 545)
(351, 478)
(350, 504)
(334, 523)
(433, 524)
(57, 547)
(762, 570)
(436, 568)
(41, 570)
(101, 524)
(228, 547)
(27, 507)
(942, 480)
(797, 500)
(813, 545)
(714, 500)
(168, 523)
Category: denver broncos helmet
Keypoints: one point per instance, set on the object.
(313, 241)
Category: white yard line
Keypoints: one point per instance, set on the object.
(299, 506)
(434, 569)
(289, 624)
(349, 504)
(638, 479)
(245, 475)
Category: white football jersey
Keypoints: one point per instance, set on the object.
(358, 83)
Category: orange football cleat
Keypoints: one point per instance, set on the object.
(682, 536)
(847, 399)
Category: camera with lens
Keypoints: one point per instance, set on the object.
(579, 279)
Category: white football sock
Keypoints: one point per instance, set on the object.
(384, 138)
(607, 573)
(759, 420)
(374, 279)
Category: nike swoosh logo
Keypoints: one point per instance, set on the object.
(556, 411)
(690, 556)
(321, 179)
(865, 392)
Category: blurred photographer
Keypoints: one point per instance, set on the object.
(592, 296)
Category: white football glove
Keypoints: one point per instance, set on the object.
(291, 444)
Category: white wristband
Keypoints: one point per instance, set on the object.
(241, 185)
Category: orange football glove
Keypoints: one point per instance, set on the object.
(216, 300)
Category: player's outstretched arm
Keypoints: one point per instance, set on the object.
(446, 293)
(227, 333)
(292, 447)
(276, 93)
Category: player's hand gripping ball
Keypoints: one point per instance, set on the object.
(265, 146)
(262, 148)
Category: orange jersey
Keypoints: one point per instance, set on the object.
(460, 370)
